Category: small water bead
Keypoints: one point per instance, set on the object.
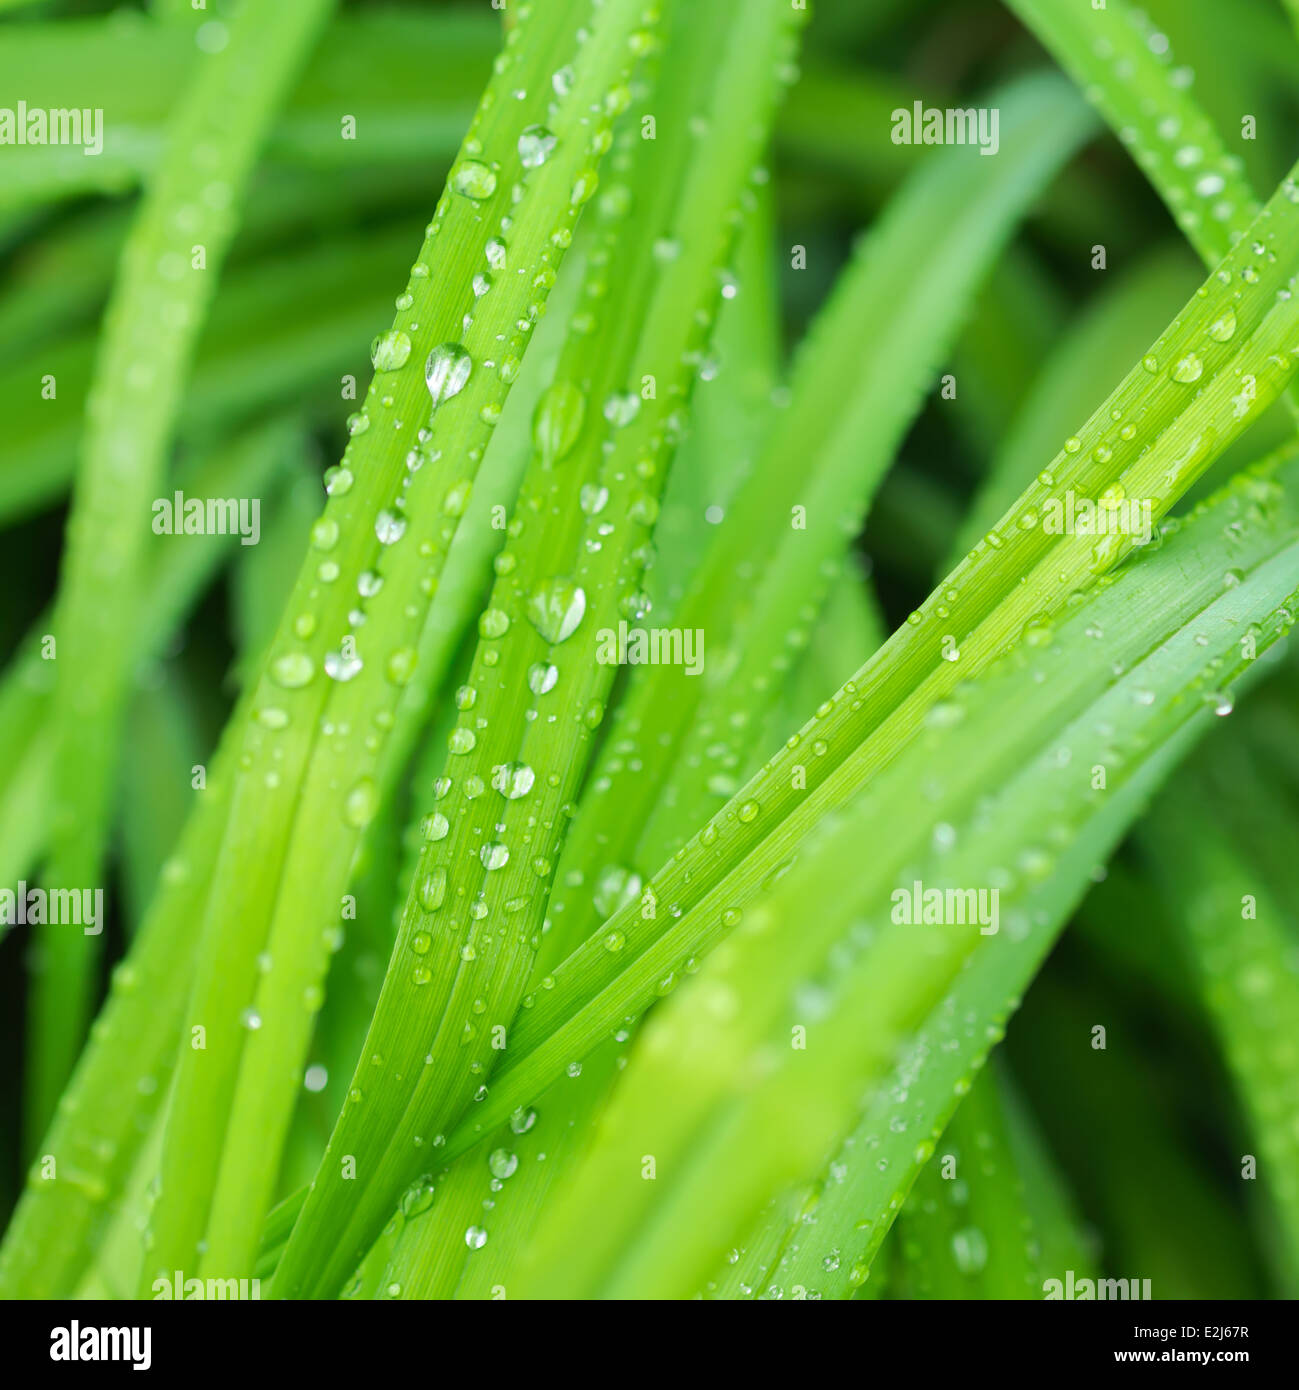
(433, 889)
(542, 677)
(1188, 369)
(592, 498)
(556, 608)
(462, 740)
(749, 811)
(557, 421)
(361, 803)
(418, 1197)
(475, 1237)
(401, 664)
(970, 1250)
(456, 501)
(536, 145)
(502, 1163)
(513, 780)
(293, 670)
(621, 408)
(494, 856)
(338, 481)
(341, 668)
(324, 534)
(472, 179)
(1223, 328)
(390, 351)
(271, 717)
(522, 1120)
(435, 826)
(495, 251)
(358, 422)
(446, 370)
(389, 527)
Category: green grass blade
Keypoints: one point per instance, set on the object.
(848, 411)
(547, 611)
(713, 1147)
(157, 309)
(233, 1102)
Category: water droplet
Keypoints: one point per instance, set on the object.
(475, 1237)
(433, 889)
(513, 780)
(536, 145)
(472, 179)
(542, 677)
(390, 350)
(1223, 328)
(621, 408)
(446, 371)
(555, 608)
(557, 421)
(417, 1198)
(361, 804)
(341, 668)
(293, 670)
(494, 856)
(1188, 369)
(502, 1163)
(389, 527)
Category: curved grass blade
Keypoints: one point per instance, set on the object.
(1234, 924)
(169, 270)
(1151, 439)
(310, 777)
(859, 987)
(1144, 96)
(848, 411)
(468, 935)
(1076, 376)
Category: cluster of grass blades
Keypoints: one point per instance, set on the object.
(453, 951)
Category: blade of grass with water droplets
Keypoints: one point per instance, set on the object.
(268, 342)
(1144, 96)
(1075, 376)
(858, 995)
(1009, 584)
(347, 645)
(465, 970)
(169, 270)
(433, 1255)
(768, 566)
(966, 1231)
(1232, 921)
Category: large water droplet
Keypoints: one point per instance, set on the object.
(446, 371)
(390, 350)
(472, 179)
(557, 421)
(556, 607)
(536, 145)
